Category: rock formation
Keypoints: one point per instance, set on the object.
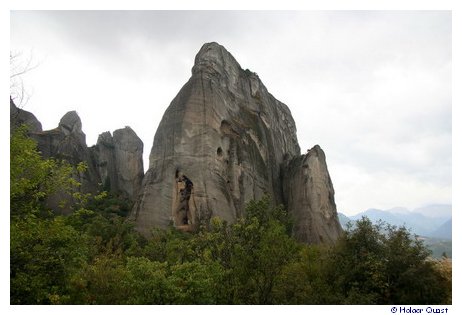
(232, 139)
(115, 161)
(19, 117)
(68, 142)
(223, 141)
(309, 194)
(119, 161)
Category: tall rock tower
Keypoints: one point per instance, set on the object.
(119, 162)
(223, 141)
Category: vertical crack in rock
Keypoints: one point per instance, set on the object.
(203, 137)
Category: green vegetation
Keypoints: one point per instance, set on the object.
(95, 256)
(438, 247)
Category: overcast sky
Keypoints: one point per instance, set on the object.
(372, 88)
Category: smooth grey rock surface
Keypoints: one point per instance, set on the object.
(119, 161)
(104, 157)
(226, 133)
(309, 196)
(129, 161)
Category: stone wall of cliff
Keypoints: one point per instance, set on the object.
(223, 141)
(227, 134)
(119, 162)
(309, 195)
(116, 161)
(232, 139)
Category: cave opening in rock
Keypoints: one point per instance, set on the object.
(220, 152)
(184, 191)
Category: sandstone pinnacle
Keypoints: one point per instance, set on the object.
(234, 142)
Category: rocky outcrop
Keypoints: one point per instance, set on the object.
(119, 162)
(309, 194)
(227, 134)
(223, 141)
(19, 117)
(115, 163)
(103, 153)
(129, 161)
(231, 138)
(68, 142)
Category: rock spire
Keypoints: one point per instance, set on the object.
(235, 142)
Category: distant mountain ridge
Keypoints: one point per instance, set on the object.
(444, 231)
(432, 221)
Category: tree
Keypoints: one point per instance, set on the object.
(32, 178)
(253, 252)
(44, 254)
(103, 281)
(444, 268)
(18, 68)
(147, 281)
(195, 283)
(378, 264)
(302, 281)
(411, 275)
(44, 251)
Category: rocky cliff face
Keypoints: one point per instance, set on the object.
(115, 163)
(232, 139)
(68, 142)
(119, 161)
(309, 194)
(19, 117)
(223, 141)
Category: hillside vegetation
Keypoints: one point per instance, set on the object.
(95, 256)
(435, 231)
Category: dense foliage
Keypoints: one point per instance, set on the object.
(94, 256)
